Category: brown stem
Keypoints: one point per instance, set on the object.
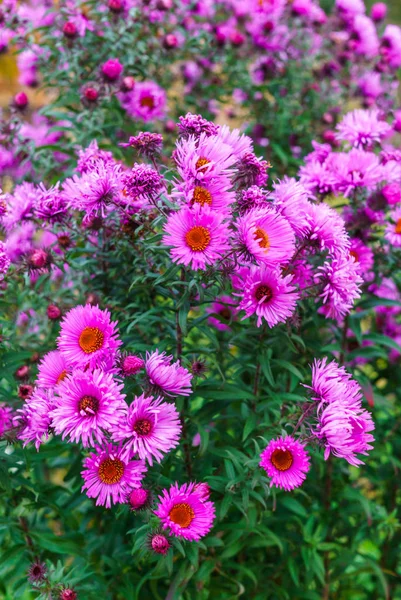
(25, 528)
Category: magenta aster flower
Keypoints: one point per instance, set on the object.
(341, 281)
(387, 289)
(50, 204)
(203, 158)
(392, 193)
(112, 69)
(197, 236)
(355, 169)
(145, 143)
(364, 258)
(224, 307)
(108, 477)
(266, 237)
(291, 201)
(139, 498)
(253, 197)
(326, 228)
(393, 229)
(142, 182)
(345, 431)
(34, 418)
(6, 418)
(166, 376)
(88, 404)
(52, 369)
(251, 170)
(268, 295)
(363, 128)
(4, 261)
(91, 156)
(130, 365)
(239, 143)
(158, 543)
(147, 101)
(88, 337)
(151, 428)
(364, 38)
(216, 193)
(391, 46)
(286, 461)
(20, 205)
(317, 177)
(184, 513)
(194, 125)
(331, 383)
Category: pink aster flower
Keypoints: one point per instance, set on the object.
(167, 377)
(108, 476)
(364, 258)
(150, 429)
(291, 201)
(215, 193)
(52, 369)
(4, 261)
(393, 229)
(345, 431)
(326, 228)
(50, 204)
(331, 383)
(286, 461)
(239, 143)
(224, 307)
(34, 418)
(88, 337)
(194, 125)
(88, 404)
(363, 128)
(341, 282)
(139, 499)
(387, 289)
(350, 8)
(317, 177)
(355, 169)
(391, 46)
(130, 364)
(266, 236)
(364, 38)
(392, 193)
(158, 543)
(184, 513)
(19, 205)
(203, 158)
(197, 236)
(6, 418)
(147, 101)
(269, 295)
(90, 157)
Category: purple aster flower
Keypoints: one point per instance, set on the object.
(33, 419)
(363, 128)
(251, 170)
(201, 159)
(158, 543)
(130, 364)
(50, 204)
(350, 8)
(184, 513)
(147, 101)
(150, 429)
(331, 383)
(393, 229)
(317, 177)
(143, 183)
(6, 418)
(88, 337)
(364, 257)
(355, 169)
(197, 236)
(91, 156)
(4, 261)
(267, 294)
(167, 377)
(253, 197)
(88, 404)
(387, 289)
(194, 125)
(286, 461)
(370, 85)
(52, 369)
(225, 309)
(266, 237)
(364, 38)
(216, 193)
(291, 201)
(108, 476)
(19, 241)
(20, 205)
(326, 228)
(240, 144)
(392, 193)
(95, 191)
(145, 143)
(139, 499)
(341, 281)
(37, 572)
(391, 46)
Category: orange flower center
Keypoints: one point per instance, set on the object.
(398, 226)
(111, 470)
(89, 405)
(263, 293)
(282, 459)
(148, 101)
(354, 255)
(262, 238)
(62, 376)
(198, 238)
(182, 514)
(202, 196)
(91, 339)
(201, 164)
(143, 427)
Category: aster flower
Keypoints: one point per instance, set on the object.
(251, 170)
(139, 499)
(143, 182)
(286, 461)
(197, 236)
(20, 205)
(266, 237)
(67, 593)
(223, 308)
(350, 8)
(145, 143)
(37, 572)
(363, 128)
(387, 289)
(267, 294)
(167, 377)
(393, 229)
(341, 282)
(87, 404)
(215, 193)
(317, 177)
(203, 158)
(364, 258)
(91, 156)
(392, 193)
(95, 191)
(147, 101)
(239, 143)
(194, 125)
(158, 543)
(130, 365)
(326, 228)
(6, 418)
(88, 336)
(355, 169)
(151, 428)
(33, 418)
(52, 369)
(331, 383)
(391, 46)
(108, 476)
(291, 200)
(184, 513)
(364, 38)
(50, 204)
(250, 198)
(4, 261)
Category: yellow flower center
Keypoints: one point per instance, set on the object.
(201, 164)
(398, 226)
(62, 376)
(262, 238)
(111, 471)
(198, 238)
(282, 459)
(202, 196)
(142, 427)
(91, 339)
(89, 405)
(182, 514)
